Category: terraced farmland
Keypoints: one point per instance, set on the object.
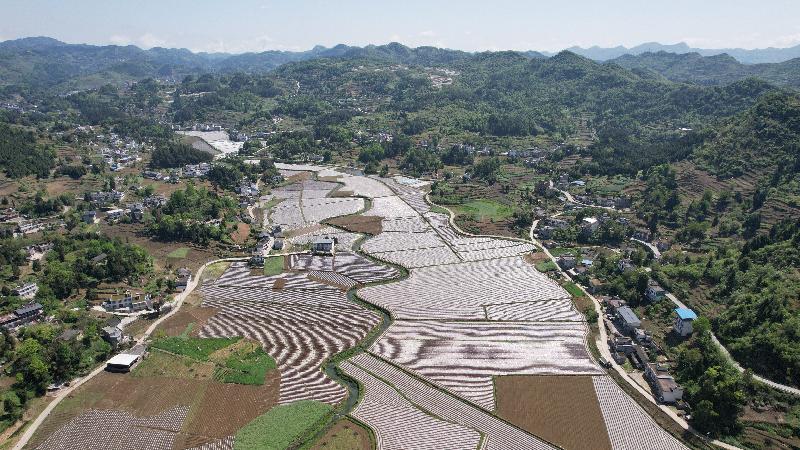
(464, 290)
(472, 309)
(103, 429)
(391, 416)
(464, 356)
(300, 325)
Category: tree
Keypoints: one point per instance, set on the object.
(487, 169)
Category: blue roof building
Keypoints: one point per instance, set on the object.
(683, 323)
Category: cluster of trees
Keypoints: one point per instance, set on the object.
(227, 174)
(713, 387)
(457, 155)
(187, 214)
(38, 357)
(174, 154)
(70, 267)
(20, 156)
(74, 171)
(40, 206)
(764, 136)
(418, 161)
(760, 324)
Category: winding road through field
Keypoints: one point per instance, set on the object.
(179, 299)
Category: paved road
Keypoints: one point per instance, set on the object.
(571, 199)
(653, 249)
(773, 384)
(80, 381)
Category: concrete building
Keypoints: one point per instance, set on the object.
(89, 216)
(683, 323)
(664, 386)
(655, 292)
(628, 319)
(323, 246)
(26, 291)
(21, 316)
(128, 302)
(567, 262)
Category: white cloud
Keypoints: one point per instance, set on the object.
(254, 44)
(119, 39)
(149, 40)
(427, 33)
(145, 41)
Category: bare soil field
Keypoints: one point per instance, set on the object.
(161, 364)
(241, 234)
(535, 257)
(300, 176)
(66, 185)
(358, 224)
(562, 409)
(345, 435)
(188, 314)
(216, 411)
(138, 326)
(224, 408)
(693, 181)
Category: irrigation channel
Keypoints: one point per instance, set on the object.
(331, 366)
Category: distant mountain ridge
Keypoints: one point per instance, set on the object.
(746, 56)
(48, 64)
(710, 70)
(43, 62)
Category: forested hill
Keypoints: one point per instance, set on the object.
(44, 63)
(711, 70)
(766, 136)
(47, 64)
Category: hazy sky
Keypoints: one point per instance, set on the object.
(256, 25)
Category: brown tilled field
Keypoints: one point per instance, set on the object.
(562, 409)
(535, 257)
(358, 224)
(241, 233)
(188, 314)
(345, 435)
(216, 411)
(225, 408)
(300, 176)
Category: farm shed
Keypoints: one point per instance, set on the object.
(121, 363)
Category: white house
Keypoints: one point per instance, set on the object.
(590, 224)
(26, 291)
(664, 386)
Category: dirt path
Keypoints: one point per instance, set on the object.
(179, 299)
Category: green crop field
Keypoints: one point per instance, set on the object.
(273, 265)
(196, 348)
(179, 253)
(282, 425)
(574, 290)
(485, 209)
(245, 366)
(546, 266)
